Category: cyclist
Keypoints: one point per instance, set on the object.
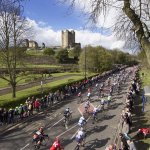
(80, 137)
(67, 116)
(82, 121)
(108, 100)
(102, 102)
(95, 111)
(67, 113)
(56, 145)
(87, 106)
(39, 136)
(89, 95)
(80, 96)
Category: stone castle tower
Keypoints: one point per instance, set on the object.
(68, 39)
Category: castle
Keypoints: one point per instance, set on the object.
(68, 40)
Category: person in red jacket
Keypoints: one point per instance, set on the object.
(144, 131)
(37, 105)
(56, 145)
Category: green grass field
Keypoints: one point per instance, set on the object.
(42, 66)
(146, 78)
(34, 52)
(6, 100)
(24, 79)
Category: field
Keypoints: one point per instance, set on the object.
(31, 77)
(6, 100)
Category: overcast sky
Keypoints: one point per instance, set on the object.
(48, 18)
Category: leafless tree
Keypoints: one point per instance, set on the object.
(12, 30)
(133, 22)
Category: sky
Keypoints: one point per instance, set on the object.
(49, 17)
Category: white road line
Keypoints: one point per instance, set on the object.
(67, 130)
(80, 111)
(56, 123)
(24, 147)
(74, 134)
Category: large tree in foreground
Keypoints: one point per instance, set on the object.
(133, 22)
(12, 29)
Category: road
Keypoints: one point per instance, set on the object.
(98, 135)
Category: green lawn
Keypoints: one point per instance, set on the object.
(146, 78)
(6, 100)
(4, 83)
(34, 52)
(42, 66)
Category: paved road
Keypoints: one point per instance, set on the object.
(98, 135)
(20, 87)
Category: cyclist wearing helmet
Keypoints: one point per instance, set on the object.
(82, 121)
(56, 145)
(80, 137)
(67, 113)
(87, 106)
(38, 136)
(95, 111)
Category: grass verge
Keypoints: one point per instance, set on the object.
(7, 101)
(142, 119)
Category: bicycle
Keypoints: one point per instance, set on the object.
(66, 120)
(80, 100)
(41, 142)
(80, 144)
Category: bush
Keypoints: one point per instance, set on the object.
(49, 51)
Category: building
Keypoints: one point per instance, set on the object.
(33, 44)
(30, 44)
(68, 39)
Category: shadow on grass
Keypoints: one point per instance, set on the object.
(139, 121)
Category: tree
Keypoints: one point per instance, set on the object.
(62, 56)
(75, 52)
(49, 51)
(133, 19)
(97, 59)
(12, 30)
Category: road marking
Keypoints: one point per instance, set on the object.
(55, 123)
(24, 147)
(66, 131)
(80, 111)
(74, 134)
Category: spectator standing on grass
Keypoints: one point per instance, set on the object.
(131, 145)
(124, 145)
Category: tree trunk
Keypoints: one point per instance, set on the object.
(139, 29)
(146, 48)
(13, 90)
